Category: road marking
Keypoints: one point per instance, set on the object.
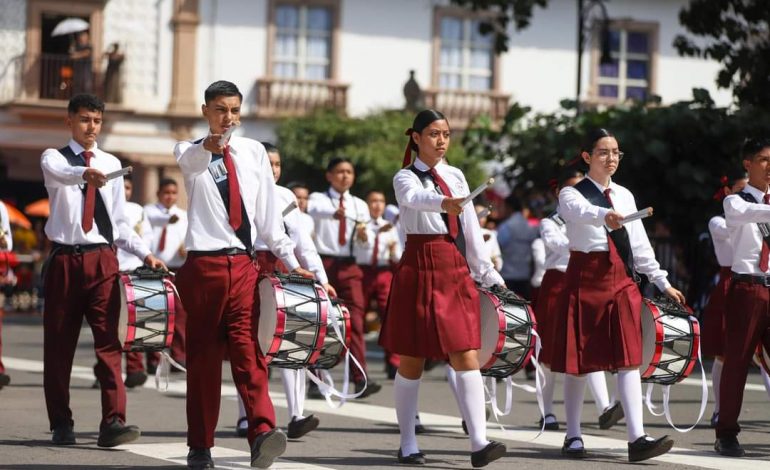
(387, 415)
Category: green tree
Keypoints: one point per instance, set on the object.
(503, 12)
(736, 33)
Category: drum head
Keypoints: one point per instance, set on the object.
(650, 337)
(490, 329)
(123, 320)
(268, 314)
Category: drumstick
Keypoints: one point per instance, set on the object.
(644, 213)
(226, 136)
(289, 208)
(484, 212)
(122, 172)
(477, 191)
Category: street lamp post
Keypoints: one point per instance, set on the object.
(582, 15)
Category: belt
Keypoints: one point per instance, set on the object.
(59, 248)
(341, 259)
(752, 279)
(222, 252)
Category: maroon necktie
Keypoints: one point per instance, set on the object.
(343, 224)
(453, 224)
(610, 243)
(375, 255)
(88, 207)
(234, 211)
(763, 257)
(162, 242)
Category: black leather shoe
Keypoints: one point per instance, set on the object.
(729, 447)
(267, 447)
(242, 427)
(134, 379)
(611, 416)
(493, 451)
(313, 392)
(63, 435)
(372, 387)
(300, 427)
(418, 458)
(5, 379)
(199, 458)
(117, 433)
(573, 453)
(643, 449)
(549, 426)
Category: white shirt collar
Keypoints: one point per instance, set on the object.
(421, 165)
(601, 187)
(336, 195)
(78, 149)
(758, 195)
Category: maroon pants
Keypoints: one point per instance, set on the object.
(2, 367)
(746, 327)
(346, 277)
(219, 294)
(78, 285)
(377, 280)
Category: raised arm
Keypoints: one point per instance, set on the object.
(718, 229)
(573, 207)
(192, 158)
(739, 212)
(127, 238)
(57, 172)
(411, 193)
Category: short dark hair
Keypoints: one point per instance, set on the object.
(338, 160)
(514, 203)
(594, 136)
(298, 184)
(128, 178)
(752, 146)
(166, 182)
(269, 147)
(423, 119)
(569, 172)
(87, 101)
(221, 88)
(373, 191)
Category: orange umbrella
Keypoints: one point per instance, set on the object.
(16, 217)
(39, 208)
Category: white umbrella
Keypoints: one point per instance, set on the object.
(69, 26)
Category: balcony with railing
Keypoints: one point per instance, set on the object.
(281, 97)
(461, 107)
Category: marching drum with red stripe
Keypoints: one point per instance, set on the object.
(147, 310)
(337, 339)
(670, 341)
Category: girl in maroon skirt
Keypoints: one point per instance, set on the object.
(598, 322)
(433, 309)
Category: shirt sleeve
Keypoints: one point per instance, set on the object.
(553, 238)
(739, 212)
(718, 229)
(575, 208)
(57, 172)
(319, 206)
(305, 250)
(156, 216)
(6, 227)
(410, 193)
(398, 250)
(192, 158)
(127, 238)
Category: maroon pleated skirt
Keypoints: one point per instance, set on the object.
(598, 318)
(545, 310)
(433, 307)
(713, 325)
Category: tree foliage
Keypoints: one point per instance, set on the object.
(503, 13)
(374, 143)
(736, 33)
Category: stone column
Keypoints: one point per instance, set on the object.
(183, 85)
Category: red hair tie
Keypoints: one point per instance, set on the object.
(554, 184)
(721, 193)
(724, 180)
(408, 150)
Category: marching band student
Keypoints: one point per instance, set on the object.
(307, 255)
(7, 259)
(340, 223)
(169, 227)
(747, 214)
(87, 219)
(553, 233)
(377, 256)
(598, 319)
(231, 199)
(713, 322)
(433, 310)
(301, 194)
(490, 237)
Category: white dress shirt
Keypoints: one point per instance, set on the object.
(322, 206)
(490, 238)
(137, 219)
(208, 221)
(307, 221)
(300, 233)
(421, 214)
(387, 238)
(742, 218)
(586, 232)
(5, 227)
(159, 217)
(64, 182)
(720, 237)
(538, 262)
(554, 236)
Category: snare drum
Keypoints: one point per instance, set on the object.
(292, 320)
(335, 345)
(507, 338)
(147, 310)
(670, 341)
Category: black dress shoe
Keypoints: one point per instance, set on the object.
(63, 435)
(372, 387)
(643, 449)
(576, 452)
(549, 426)
(117, 433)
(5, 379)
(242, 430)
(418, 458)
(391, 370)
(313, 392)
(199, 458)
(611, 416)
(134, 379)
(729, 447)
(267, 447)
(300, 427)
(493, 451)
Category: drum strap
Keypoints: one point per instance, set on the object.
(764, 228)
(620, 236)
(557, 219)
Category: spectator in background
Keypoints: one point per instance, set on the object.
(515, 235)
(113, 92)
(81, 54)
(7, 262)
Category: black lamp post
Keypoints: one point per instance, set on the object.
(584, 10)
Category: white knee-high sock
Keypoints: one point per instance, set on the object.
(630, 391)
(294, 391)
(241, 408)
(548, 389)
(597, 383)
(574, 391)
(451, 378)
(406, 392)
(716, 379)
(470, 390)
(766, 380)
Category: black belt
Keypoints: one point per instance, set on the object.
(222, 252)
(752, 279)
(58, 248)
(341, 259)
